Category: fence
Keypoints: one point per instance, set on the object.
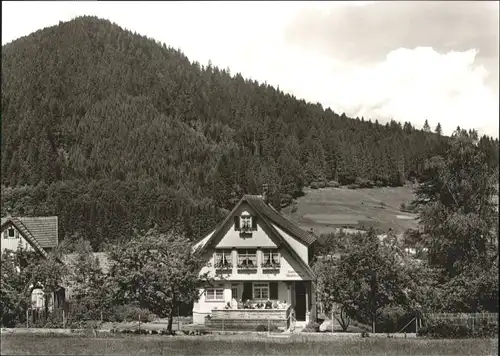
(465, 319)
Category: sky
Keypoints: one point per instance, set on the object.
(407, 61)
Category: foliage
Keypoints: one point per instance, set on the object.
(459, 220)
(264, 327)
(22, 271)
(459, 227)
(367, 277)
(445, 329)
(122, 313)
(90, 294)
(187, 139)
(157, 272)
(311, 327)
(393, 319)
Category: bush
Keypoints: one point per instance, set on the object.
(131, 313)
(334, 184)
(393, 319)
(353, 186)
(262, 327)
(294, 208)
(312, 327)
(444, 329)
(321, 184)
(364, 183)
(314, 185)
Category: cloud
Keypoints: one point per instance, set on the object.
(366, 34)
(418, 84)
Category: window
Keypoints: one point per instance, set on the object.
(214, 294)
(247, 258)
(12, 232)
(234, 292)
(270, 258)
(223, 258)
(246, 223)
(261, 291)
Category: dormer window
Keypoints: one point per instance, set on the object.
(245, 223)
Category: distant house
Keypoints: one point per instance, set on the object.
(39, 234)
(256, 256)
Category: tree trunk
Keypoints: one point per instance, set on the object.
(170, 321)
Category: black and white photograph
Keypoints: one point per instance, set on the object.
(249, 178)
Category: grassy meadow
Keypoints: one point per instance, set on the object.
(238, 345)
(329, 209)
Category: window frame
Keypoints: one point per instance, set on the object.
(271, 253)
(211, 294)
(227, 254)
(260, 286)
(234, 295)
(246, 222)
(243, 254)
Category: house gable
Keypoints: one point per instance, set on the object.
(231, 237)
(266, 236)
(13, 243)
(23, 233)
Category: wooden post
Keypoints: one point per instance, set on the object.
(178, 322)
(416, 325)
(223, 324)
(27, 318)
(268, 327)
(64, 319)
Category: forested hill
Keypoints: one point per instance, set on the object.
(113, 131)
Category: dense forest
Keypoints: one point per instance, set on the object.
(115, 132)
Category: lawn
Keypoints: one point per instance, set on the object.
(329, 209)
(238, 345)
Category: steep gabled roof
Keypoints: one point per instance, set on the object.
(44, 230)
(270, 217)
(26, 233)
(257, 202)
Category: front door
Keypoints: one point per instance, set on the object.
(300, 301)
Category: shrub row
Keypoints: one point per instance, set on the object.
(444, 329)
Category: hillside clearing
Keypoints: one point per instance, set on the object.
(331, 209)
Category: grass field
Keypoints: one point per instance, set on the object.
(227, 345)
(330, 209)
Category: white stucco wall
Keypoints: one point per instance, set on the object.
(12, 243)
(299, 247)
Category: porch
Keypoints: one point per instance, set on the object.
(243, 304)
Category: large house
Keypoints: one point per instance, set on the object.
(256, 257)
(38, 234)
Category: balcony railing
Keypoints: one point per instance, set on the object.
(246, 265)
(271, 265)
(223, 265)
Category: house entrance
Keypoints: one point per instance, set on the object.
(300, 301)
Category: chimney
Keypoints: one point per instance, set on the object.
(265, 191)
